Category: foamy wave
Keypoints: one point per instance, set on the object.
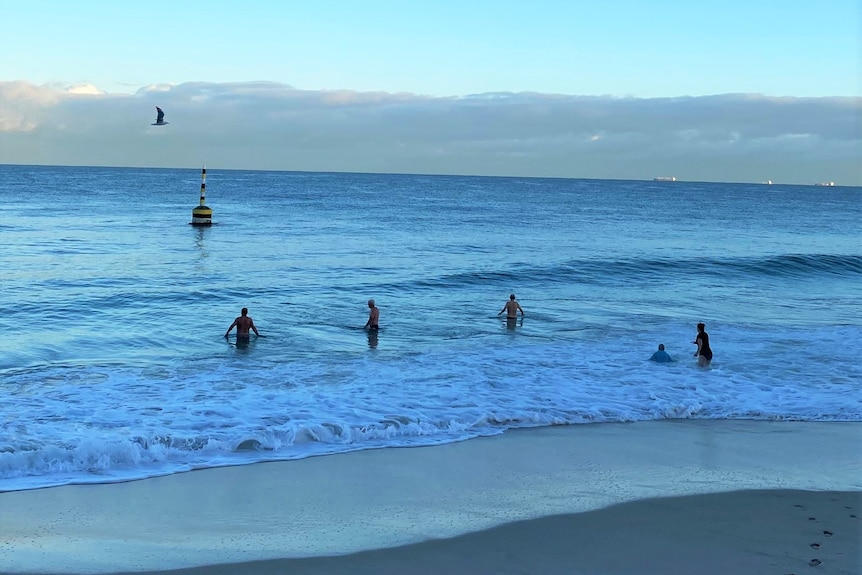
(77, 433)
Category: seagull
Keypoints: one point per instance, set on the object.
(160, 118)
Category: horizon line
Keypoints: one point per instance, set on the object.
(662, 180)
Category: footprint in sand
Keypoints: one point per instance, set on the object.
(815, 545)
(815, 562)
(827, 534)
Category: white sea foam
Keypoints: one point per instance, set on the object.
(96, 424)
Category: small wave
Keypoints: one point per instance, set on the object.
(592, 271)
(638, 270)
(810, 265)
(788, 266)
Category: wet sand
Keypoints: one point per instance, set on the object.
(742, 532)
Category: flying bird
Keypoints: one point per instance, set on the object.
(160, 118)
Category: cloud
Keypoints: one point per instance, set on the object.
(23, 106)
(85, 89)
(268, 125)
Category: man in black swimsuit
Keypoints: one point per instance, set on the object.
(242, 324)
(373, 316)
(512, 308)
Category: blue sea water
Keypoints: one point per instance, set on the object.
(113, 364)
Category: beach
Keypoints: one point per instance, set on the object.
(677, 496)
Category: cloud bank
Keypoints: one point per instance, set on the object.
(271, 126)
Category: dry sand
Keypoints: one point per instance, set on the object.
(655, 497)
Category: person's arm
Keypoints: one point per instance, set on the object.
(252, 326)
(502, 310)
(521, 310)
(699, 342)
(230, 328)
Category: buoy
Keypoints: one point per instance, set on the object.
(202, 215)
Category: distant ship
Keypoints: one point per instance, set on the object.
(827, 184)
(767, 182)
(665, 179)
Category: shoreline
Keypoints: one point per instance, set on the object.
(382, 507)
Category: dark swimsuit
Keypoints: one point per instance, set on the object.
(704, 345)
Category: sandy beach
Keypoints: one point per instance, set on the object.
(655, 497)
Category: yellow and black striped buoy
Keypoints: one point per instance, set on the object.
(202, 215)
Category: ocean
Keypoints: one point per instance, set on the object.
(114, 364)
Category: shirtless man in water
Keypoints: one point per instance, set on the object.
(373, 316)
(243, 323)
(512, 308)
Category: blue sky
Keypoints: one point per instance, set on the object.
(415, 54)
(443, 47)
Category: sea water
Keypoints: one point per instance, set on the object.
(113, 364)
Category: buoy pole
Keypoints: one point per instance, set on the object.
(203, 184)
(202, 215)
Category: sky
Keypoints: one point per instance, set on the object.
(629, 89)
